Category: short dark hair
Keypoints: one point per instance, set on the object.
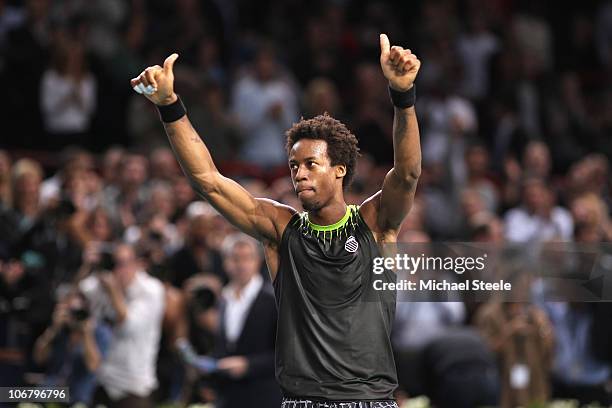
(341, 143)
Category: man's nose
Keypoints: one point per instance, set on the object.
(301, 174)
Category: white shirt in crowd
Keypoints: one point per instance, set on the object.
(129, 366)
(264, 142)
(417, 323)
(63, 114)
(237, 307)
(523, 227)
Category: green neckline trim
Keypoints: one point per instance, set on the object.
(333, 226)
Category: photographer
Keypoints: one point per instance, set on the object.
(201, 293)
(134, 301)
(72, 348)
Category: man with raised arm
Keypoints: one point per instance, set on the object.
(333, 345)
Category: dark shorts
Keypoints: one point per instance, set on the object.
(306, 403)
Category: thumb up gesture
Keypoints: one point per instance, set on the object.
(157, 83)
(399, 66)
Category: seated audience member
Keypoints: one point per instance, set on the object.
(538, 219)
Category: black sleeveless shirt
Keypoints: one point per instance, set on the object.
(333, 337)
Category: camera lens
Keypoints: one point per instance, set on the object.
(79, 314)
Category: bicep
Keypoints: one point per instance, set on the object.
(259, 217)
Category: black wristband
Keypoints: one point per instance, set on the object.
(403, 99)
(172, 112)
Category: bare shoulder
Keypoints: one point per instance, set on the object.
(279, 214)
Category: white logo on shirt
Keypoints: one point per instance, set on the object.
(351, 244)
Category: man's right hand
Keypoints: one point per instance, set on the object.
(157, 83)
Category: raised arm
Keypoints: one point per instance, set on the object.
(261, 218)
(388, 208)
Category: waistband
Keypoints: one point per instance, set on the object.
(308, 403)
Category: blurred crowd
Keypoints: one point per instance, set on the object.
(117, 280)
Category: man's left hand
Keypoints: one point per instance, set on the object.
(399, 66)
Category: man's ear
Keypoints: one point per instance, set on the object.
(340, 170)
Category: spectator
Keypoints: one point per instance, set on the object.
(538, 219)
(577, 372)
(487, 228)
(417, 323)
(321, 95)
(478, 176)
(222, 133)
(195, 256)
(111, 165)
(591, 213)
(475, 48)
(26, 305)
(420, 318)
(99, 227)
(371, 120)
(75, 162)
(134, 302)
(73, 348)
(125, 201)
(54, 244)
(536, 160)
(201, 293)
(247, 330)
(522, 338)
(536, 163)
(460, 370)
(183, 196)
(68, 95)
(26, 181)
(265, 104)
(163, 165)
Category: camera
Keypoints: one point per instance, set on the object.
(107, 260)
(65, 209)
(156, 236)
(79, 314)
(203, 298)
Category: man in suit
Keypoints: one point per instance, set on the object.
(247, 330)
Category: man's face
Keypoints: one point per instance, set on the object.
(134, 171)
(242, 263)
(314, 178)
(537, 196)
(200, 228)
(125, 265)
(265, 66)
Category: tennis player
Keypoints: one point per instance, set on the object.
(333, 345)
